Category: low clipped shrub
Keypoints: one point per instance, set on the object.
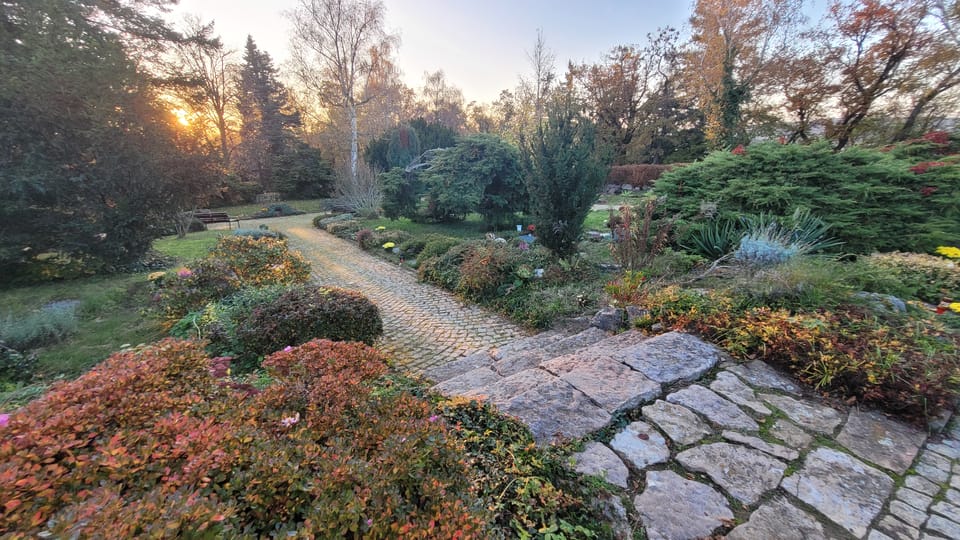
(277, 210)
(927, 277)
(258, 233)
(343, 229)
(912, 370)
(217, 321)
(442, 270)
(303, 313)
(235, 262)
(364, 238)
(152, 443)
(436, 246)
(486, 267)
(181, 291)
(413, 246)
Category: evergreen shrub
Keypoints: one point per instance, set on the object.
(872, 199)
(306, 312)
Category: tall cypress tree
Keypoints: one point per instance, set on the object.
(267, 117)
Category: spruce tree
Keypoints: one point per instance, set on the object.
(267, 117)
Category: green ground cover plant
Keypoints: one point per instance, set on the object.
(803, 320)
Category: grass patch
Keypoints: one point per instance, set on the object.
(193, 246)
(627, 197)
(596, 221)
(309, 206)
(472, 227)
(108, 313)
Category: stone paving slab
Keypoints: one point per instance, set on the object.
(779, 519)
(841, 487)
(744, 473)
(673, 508)
(641, 445)
(555, 411)
(678, 422)
(879, 440)
(716, 409)
(597, 459)
(631, 390)
(671, 357)
(808, 415)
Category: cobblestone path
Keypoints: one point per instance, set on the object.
(424, 326)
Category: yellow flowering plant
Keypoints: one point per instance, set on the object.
(949, 252)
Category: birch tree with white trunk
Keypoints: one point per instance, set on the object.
(333, 42)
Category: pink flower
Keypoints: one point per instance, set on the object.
(433, 418)
(739, 150)
(287, 348)
(290, 420)
(4, 420)
(184, 273)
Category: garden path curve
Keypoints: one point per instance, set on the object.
(424, 326)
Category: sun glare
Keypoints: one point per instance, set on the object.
(182, 117)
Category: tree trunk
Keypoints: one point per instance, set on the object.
(354, 151)
(224, 151)
(947, 83)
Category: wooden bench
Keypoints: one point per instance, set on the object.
(207, 217)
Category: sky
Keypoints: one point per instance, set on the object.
(481, 45)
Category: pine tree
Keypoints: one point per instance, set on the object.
(267, 117)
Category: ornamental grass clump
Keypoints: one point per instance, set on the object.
(770, 241)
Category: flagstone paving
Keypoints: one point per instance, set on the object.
(718, 448)
(423, 325)
(711, 448)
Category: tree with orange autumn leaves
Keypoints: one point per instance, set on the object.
(866, 58)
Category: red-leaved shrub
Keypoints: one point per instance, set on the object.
(638, 176)
(150, 444)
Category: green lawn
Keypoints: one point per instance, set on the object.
(597, 221)
(193, 246)
(246, 210)
(109, 313)
(472, 227)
